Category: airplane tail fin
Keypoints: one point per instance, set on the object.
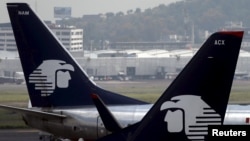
(198, 97)
(52, 76)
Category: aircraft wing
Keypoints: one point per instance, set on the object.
(26, 111)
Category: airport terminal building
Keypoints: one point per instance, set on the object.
(133, 64)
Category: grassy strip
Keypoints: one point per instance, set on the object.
(13, 97)
(149, 93)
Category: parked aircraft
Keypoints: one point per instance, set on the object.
(67, 104)
(197, 98)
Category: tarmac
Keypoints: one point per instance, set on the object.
(19, 135)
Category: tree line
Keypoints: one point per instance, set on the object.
(156, 24)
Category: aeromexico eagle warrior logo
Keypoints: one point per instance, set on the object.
(51, 74)
(191, 114)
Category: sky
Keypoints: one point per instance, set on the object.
(45, 8)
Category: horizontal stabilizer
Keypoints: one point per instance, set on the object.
(107, 117)
(26, 111)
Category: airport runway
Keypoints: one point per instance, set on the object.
(19, 135)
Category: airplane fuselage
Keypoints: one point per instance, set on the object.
(85, 122)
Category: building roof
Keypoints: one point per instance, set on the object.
(130, 53)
